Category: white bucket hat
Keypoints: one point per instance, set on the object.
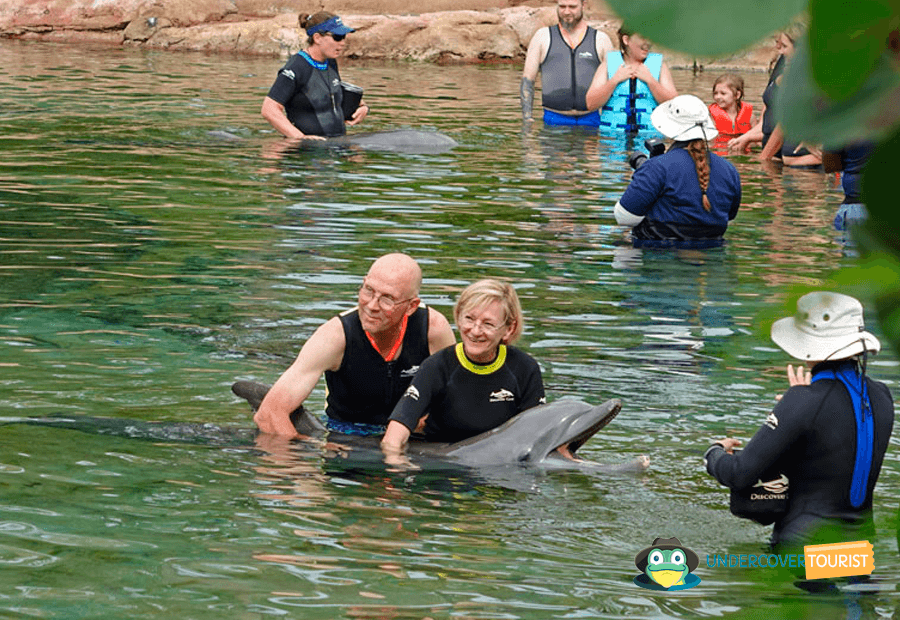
(684, 118)
(827, 326)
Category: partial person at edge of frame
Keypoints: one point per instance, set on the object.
(476, 385)
(368, 354)
(829, 431)
(306, 100)
(767, 131)
(629, 85)
(688, 195)
(567, 56)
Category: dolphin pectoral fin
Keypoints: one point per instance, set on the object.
(254, 393)
(251, 391)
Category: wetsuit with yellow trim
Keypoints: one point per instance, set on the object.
(463, 399)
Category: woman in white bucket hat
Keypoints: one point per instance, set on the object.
(687, 194)
(828, 433)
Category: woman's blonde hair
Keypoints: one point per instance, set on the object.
(484, 292)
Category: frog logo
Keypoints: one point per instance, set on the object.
(666, 565)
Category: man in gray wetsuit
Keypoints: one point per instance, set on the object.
(567, 56)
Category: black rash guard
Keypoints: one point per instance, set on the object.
(311, 97)
(464, 399)
(365, 388)
(810, 437)
(567, 73)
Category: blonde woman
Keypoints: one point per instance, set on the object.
(476, 385)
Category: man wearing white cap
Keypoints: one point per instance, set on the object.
(687, 194)
(828, 433)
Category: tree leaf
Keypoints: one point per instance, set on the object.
(809, 114)
(846, 44)
(706, 28)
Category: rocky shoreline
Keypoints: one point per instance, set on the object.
(470, 31)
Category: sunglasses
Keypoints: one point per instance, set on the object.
(336, 37)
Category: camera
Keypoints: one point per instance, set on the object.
(654, 147)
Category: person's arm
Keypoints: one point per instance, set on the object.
(537, 50)
(440, 334)
(534, 387)
(602, 87)
(776, 437)
(624, 217)
(736, 201)
(662, 89)
(361, 112)
(647, 185)
(323, 351)
(603, 44)
(742, 143)
(412, 407)
(274, 112)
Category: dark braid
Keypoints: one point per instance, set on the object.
(700, 154)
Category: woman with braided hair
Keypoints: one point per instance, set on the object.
(688, 195)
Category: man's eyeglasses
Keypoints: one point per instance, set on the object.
(386, 302)
(336, 37)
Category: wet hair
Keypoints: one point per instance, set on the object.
(308, 21)
(483, 292)
(699, 152)
(734, 82)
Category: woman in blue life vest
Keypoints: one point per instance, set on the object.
(827, 434)
(306, 99)
(687, 196)
(629, 84)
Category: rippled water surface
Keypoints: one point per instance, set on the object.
(157, 243)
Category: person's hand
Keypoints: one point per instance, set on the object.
(738, 145)
(729, 443)
(801, 375)
(642, 73)
(361, 112)
(624, 72)
(307, 136)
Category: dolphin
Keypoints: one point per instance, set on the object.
(531, 438)
(400, 140)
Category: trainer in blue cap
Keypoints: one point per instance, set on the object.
(308, 99)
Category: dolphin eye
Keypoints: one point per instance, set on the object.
(656, 557)
(677, 557)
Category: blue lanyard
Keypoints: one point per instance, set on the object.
(865, 426)
(321, 66)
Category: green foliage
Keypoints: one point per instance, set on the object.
(843, 85)
(846, 41)
(706, 28)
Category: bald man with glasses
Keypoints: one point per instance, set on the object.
(368, 355)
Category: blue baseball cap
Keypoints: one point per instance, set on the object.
(333, 25)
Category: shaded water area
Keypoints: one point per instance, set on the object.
(145, 264)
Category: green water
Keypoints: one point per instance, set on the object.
(146, 264)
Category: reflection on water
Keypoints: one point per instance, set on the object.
(148, 259)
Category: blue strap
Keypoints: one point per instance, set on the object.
(865, 426)
(321, 66)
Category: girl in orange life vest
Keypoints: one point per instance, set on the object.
(731, 115)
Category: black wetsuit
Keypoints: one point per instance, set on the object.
(464, 399)
(365, 388)
(566, 73)
(311, 96)
(810, 437)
